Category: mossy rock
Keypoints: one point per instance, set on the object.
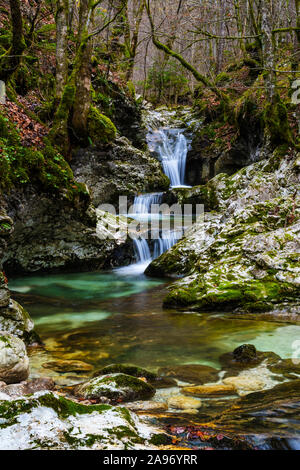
(127, 369)
(234, 363)
(153, 379)
(58, 423)
(101, 129)
(116, 387)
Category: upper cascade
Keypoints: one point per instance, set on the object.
(171, 146)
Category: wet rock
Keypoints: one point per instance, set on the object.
(233, 364)
(14, 362)
(68, 366)
(192, 373)
(181, 402)
(118, 170)
(127, 369)
(116, 387)
(215, 390)
(57, 423)
(244, 383)
(274, 412)
(15, 320)
(56, 234)
(155, 380)
(147, 406)
(29, 387)
(245, 353)
(289, 368)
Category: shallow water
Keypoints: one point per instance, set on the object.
(103, 318)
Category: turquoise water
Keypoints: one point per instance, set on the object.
(101, 318)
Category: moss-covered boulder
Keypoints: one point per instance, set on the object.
(101, 129)
(116, 387)
(57, 423)
(14, 362)
(127, 369)
(246, 256)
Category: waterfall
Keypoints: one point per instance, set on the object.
(143, 203)
(171, 146)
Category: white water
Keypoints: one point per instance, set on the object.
(171, 146)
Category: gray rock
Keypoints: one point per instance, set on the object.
(14, 362)
(15, 319)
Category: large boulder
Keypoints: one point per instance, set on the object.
(57, 423)
(15, 319)
(115, 387)
(119, 170)
(14, 362)
(52, 234)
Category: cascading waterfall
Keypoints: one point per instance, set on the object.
(171, 146)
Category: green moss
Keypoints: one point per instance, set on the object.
(126, 369)
(116, 387)
(45, 168)
(275, 118)
(10, 411)
(160, 440)
(101, 130)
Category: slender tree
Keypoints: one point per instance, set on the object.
(10, 61)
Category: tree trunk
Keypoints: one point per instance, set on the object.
(61, 47)
(10, 61)
(268, 50)
(82, 102)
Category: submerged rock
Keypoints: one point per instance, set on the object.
(181, 402)
(57, 423)
(115, 387)
(14, 362)
(68, 366)
(273, 412)
(193, 373)
(28, 387)
(214, 390)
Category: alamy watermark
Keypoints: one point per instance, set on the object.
(149, 222)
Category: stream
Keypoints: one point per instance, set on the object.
(117, 317)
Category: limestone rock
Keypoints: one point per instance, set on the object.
(215, 390)
(249, 259)
(181, 402)
(244, 383)
(57, 423)
(15, 320)
(115, 387)
(14, 362)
